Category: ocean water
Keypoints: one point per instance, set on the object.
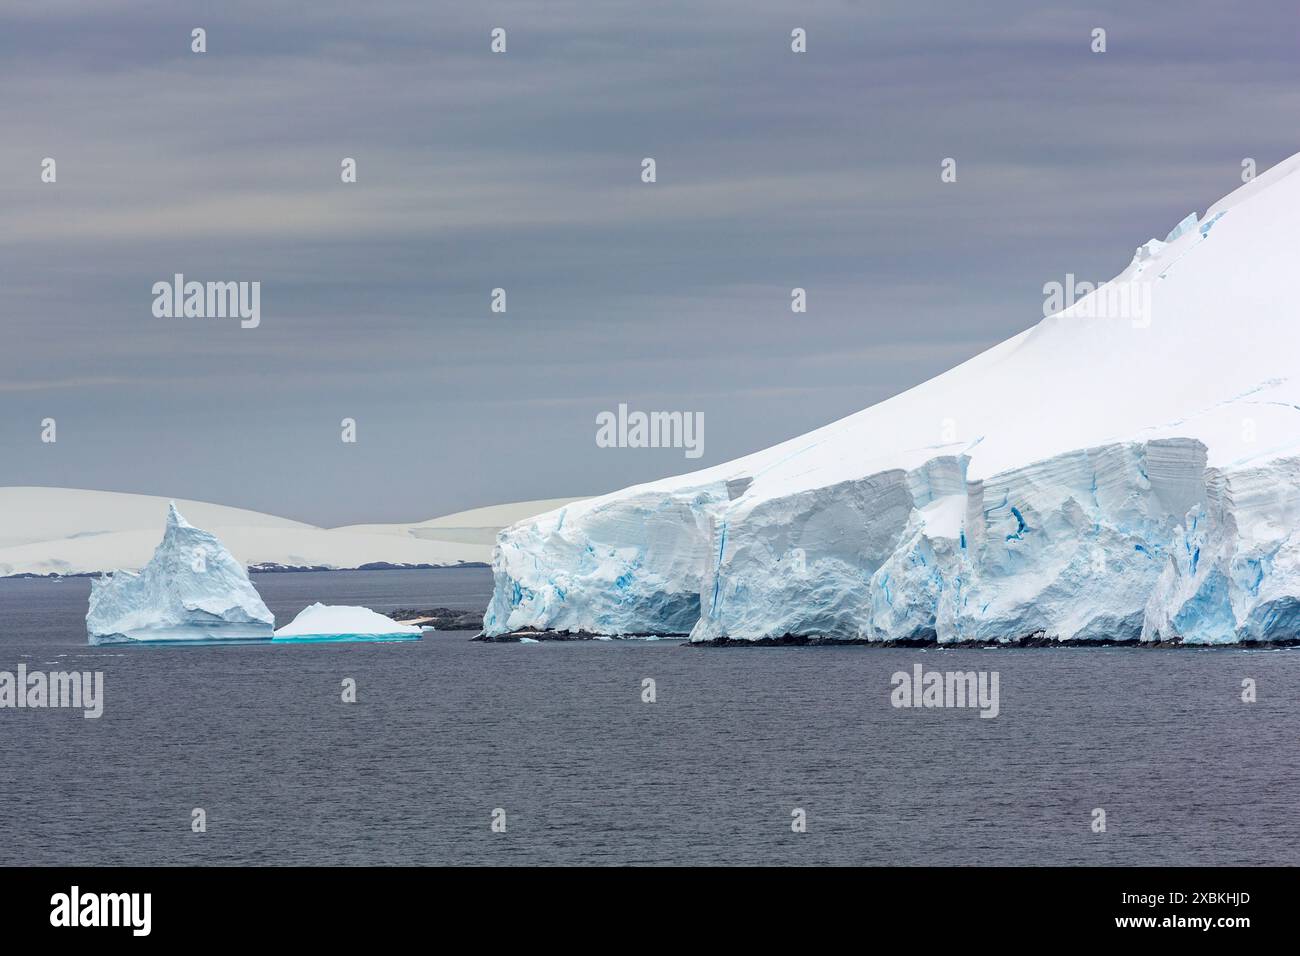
(445, 731)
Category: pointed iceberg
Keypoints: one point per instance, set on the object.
(193, 589)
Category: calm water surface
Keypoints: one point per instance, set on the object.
(444, 731)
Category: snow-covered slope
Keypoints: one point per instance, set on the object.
(192, 589)
(479, 526)
(76, 531)
(34, 515)
(1128, 467)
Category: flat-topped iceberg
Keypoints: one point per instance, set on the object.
(323, 622)
(1127, 469)
(192, 590)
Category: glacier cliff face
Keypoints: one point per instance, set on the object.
(192, 589)
(1129, 468)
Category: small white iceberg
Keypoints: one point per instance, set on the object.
(324, 622)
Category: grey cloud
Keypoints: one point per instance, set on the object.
(521, 171)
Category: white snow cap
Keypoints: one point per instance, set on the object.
(192, 589)
(1128, 467)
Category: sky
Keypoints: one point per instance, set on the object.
(522, 171)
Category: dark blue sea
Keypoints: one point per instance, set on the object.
(445, 731)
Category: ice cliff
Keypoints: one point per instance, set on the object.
(1128, 468)
(191, 590)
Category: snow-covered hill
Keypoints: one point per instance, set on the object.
(1128, 467)
(75, 531)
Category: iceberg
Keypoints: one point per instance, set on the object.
(191, 590)
(1127, 469)
(322, 622)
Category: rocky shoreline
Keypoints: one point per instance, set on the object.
(1039, 640)
(440, 618)
(514, 637)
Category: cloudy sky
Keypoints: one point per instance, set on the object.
(522, 171)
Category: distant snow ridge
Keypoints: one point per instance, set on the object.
(65, 531)
(1101, 476)
(192, 590)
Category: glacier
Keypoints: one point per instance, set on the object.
(1127, 469)
(191, 590)
(323, 622)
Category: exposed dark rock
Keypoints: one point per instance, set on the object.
(515, 636)
(1037, 639)
(441, 618)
